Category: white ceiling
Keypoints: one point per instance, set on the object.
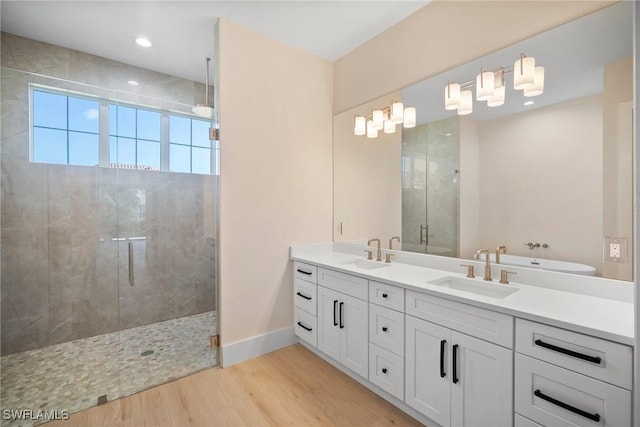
(183, 31)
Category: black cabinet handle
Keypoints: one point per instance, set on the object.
(335, 304)
(384, 295)
(304, 327)
(455, 362)
(592, 359)
(384, 329)
(592, 417)
(308, 273)
(302, 295)
(443, 344)
(341, 315)
(384, 370)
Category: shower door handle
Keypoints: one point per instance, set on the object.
(424, 237)
(131, 276)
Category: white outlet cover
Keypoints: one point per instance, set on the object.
(615, 250)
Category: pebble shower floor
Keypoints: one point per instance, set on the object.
(72, 375)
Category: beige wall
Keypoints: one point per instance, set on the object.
(366, 193)
(440, 36)
(618, 161)
(541, 181)
(276, 181)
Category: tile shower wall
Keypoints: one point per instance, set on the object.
(63, 277)
(430, 187)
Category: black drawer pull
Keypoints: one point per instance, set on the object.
(443, 343)
(304, 327)
(455, 363)
(384, 295)
(308, 273)
(303, 296)
(384, 329)
(592, 359)
(341, 315)
(335, 306)
(384, 370)
(592, 417)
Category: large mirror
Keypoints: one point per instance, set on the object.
(556, 173)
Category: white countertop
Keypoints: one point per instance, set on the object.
(599, 316)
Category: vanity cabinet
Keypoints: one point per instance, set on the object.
(343, 320)
(455, 379)
(567, 378)
(305, 302)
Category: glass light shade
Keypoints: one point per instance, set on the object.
(397, 112)
(538, 84)
(523, 72)
(360, 126)
(498, 97)
(466, 103)
(389, 126)
(484, 86)
(378, 119)
(409, 117)
(372, 131)
(451, 96)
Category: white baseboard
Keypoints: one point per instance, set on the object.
(240, 351)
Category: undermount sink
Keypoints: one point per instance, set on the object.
(366, 264)
(476, 286)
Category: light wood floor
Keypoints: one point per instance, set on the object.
(290, 387)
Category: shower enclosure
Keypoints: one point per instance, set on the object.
(430, 188)
(108, 227)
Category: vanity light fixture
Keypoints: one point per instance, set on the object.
(385, 119)
(490, 85)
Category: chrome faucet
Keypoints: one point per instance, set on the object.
(501, 248)
(391, 241)
(379, 251)
(487, 267)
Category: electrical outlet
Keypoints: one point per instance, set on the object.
(614, 250)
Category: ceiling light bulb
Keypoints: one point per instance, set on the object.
(397, 112)
(538, 83)
(378, 119)
(498, 97)
(466, 103)
(141, 41)
(484, 86)
(389, 126)
(451, 96)
(360, 125)
(372, 132)
(409, 117)
(523, 72)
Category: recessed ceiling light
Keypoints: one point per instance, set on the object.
(132, 83)
(529, 103)
(141, 41)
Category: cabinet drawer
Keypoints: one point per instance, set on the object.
(386, 328)
(304, 295)
(347, 284)
(521, 421)
(305, 326)
(306, 272)
(386, 370)
(386, 295)
(478, 322)
(554, 396)
(597, 358)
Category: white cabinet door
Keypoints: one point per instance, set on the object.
(353, 322)
(428, 369)
(328, 322)
(481, 383)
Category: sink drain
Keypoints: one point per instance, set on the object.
(146, 353)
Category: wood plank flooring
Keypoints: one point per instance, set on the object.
(290, 387)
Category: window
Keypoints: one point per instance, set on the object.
(189, 145)
(67, 130)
